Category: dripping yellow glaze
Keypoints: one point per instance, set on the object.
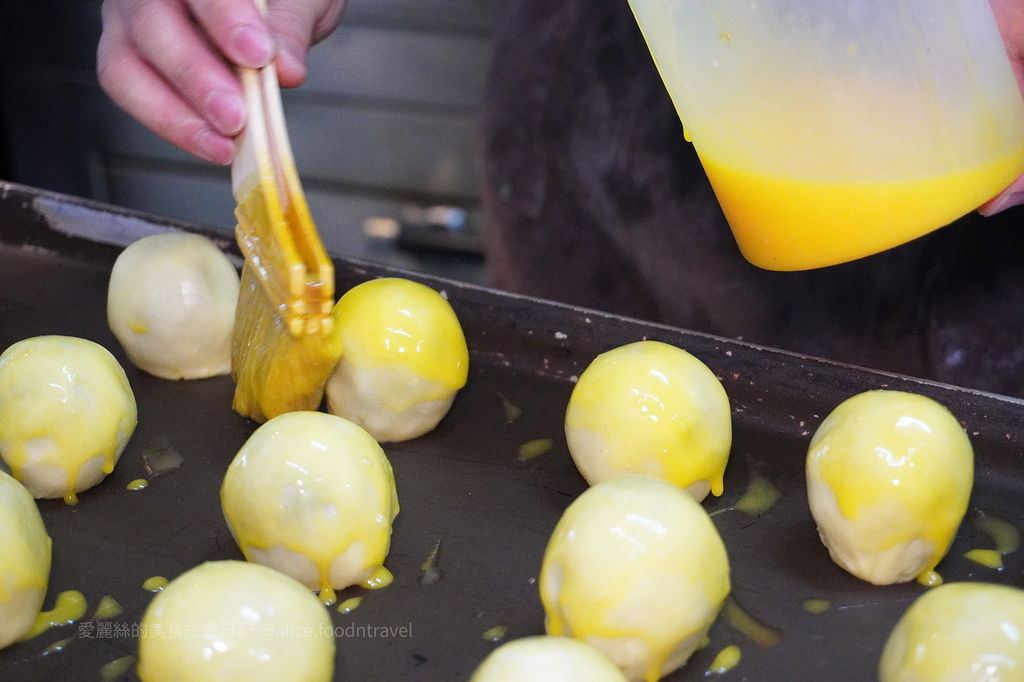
(889, 475)
(636, 568)
(68, 609)
(512, 411)
(138, 484)
(116, 669)
(236, 620)
(154, 584)
(107, 608)
(989, 558)
(760, 633)
(313, 495)
(25, 554)
(534, 448)
(381, 577)
(430, 573)
(350, 604)
(58, 646)
(1005, 536)
(959, 631)
(816, 606)
(725, 660)
(404, 358)
(66, 413)
(759, 497)
(650, 408)
(496, 633)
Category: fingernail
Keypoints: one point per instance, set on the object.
(1002, 202)
(253, 45)
(289, 60)
(226, 111)
(214, 147)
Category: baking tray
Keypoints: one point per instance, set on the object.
(464, 483)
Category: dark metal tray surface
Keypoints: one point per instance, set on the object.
(464, 483)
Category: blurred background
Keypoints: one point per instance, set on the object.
(384, 130)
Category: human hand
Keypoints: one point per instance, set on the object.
(1010, 17)
(171, 63)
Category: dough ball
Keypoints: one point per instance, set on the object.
(232, 620)
(24, 560)
(889, 475)
(650, 408)
(171, 303)
(547, 659)
(958, 632)
(404, 357)
(313, 496)
(66, 413)
(636, 569)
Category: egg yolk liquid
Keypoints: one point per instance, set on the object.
(785, 223)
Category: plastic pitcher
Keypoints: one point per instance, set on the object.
(834, 129)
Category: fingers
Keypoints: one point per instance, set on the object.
(298, 24)
(1011, 196)
(199, 119)
(1010, 18)
(237, 30)
(171, 63)
(165, 37)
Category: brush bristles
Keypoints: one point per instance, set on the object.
(274, 371)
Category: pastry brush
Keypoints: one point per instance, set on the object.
(284, 347)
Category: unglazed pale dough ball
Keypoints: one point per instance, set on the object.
(232, 620)
(889, 475)
(958, 632)
(650, 408)
(24, 560)
(171, 303)
(313, 496)
(404, 358)
(636, 569)
(66, 413)
(547, 659)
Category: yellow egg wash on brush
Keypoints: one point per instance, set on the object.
(394, 321)
(280, 366)
(282, 348)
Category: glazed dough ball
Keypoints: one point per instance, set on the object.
(547, 659)
(231, 620)
(650, 408)
(889, 475)
(312, 495)
(958, 632)
(636, 569)
(24, 560)
(66, 413)
(171, 303)
(404, 358)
